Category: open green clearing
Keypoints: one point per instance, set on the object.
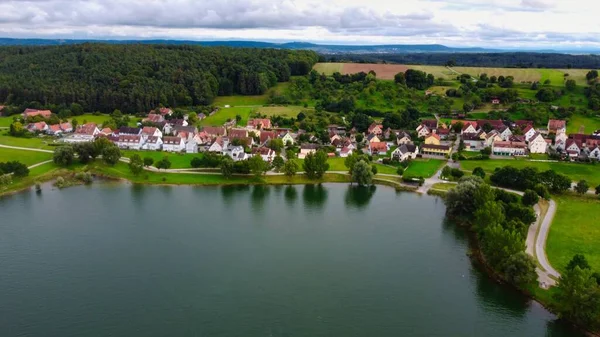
(178, 160)
(425, 168)
(328, 68)
(437, 71)
(575, 171)
(287, 111)
(90, 118)
(225, 114)
(26, 157)
(34, 142)
(443, 186)
(520, 74)
(241, 101)
(6, 121)
(576, 74)
(575, 230)
(590, 124)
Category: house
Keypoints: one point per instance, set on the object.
(265, 136)
(495, 101)
(432, 139)
(149, 131)
(84, 133)
(334, 137)
(405, 151)
(504, 132)
(378, 148)
(305, 149)
(154, 118)
(443, 133)
(468, 128)
(435, 150)
(345, 152)
(573, 148)
(264, 152)
(403, 138)
(130, 142)
(182, 131)
(332, 128)
(28, 113)
(173, 144)
(431, 124)
(423, 131)
(165, 111)
(496, 124)
(37, 127)
(259, 124)
(288, 139)
(54, 130)
(66, 127)
(522, 124)
(473, 142)
(235, 152)
(508, 148)
(153, 143)
(490, 138)
(237, 133)
(191, 146)
(529, 132)
(537, 144)
(201, 116)
(202, 138)
(557, 126)
(376, 129)
(595, 153)
(215, 131)
(106, 132)
(372, 138)
(219, 145)
(125, 130)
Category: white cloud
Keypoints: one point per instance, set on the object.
(491, 23)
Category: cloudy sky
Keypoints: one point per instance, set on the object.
(487, 23)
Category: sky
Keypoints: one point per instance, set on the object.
(557, 24)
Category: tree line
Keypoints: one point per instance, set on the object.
(137, 78)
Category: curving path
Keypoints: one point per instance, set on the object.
(549, 273)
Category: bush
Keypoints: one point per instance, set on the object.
(60, 182)
(400, 170)
(530, 198)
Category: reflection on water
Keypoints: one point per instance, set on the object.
(359, 196)
(259, 194)
(229, 193)
(314, 196)
(291, 195)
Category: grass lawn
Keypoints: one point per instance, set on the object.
(178, 160)
(437, 71)
(590, 124)
(575, 230)
(287, 111)
(41, 173)
(255, 100)
(90, 118)
(424, 167)
(524, 74)
(26, 157)
(34, 142)
(556, 77)
(328, 68)
(6, 121)
(443, 186)
(225, 114)
(576, 172)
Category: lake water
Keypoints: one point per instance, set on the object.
(331, 260)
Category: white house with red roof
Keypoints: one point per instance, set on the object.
(529, 132)
(376, 129)
(35, 112)
(378, 148)
(153, 143)
(37, 127)
(505, 148)
(130, 142)
(468, 128)
(173, 144)
(537, 144)
(265, 153)
(154, 118)
(557, 126)
(84, 133)
(595, 153)
(573, 148)
(150, 131)
(165, 111)
(259, 124)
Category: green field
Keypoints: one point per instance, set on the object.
(520, 74)
(248, 101)
(90, 118)
(26, 157)
(225, 114)
(556, 77)
(328, 68)
(425, 168)
(576, 172)
(178, 160)
(590, 124)
(437, 71)
(576, 74)
(34, 142)
(6, 121)
(443, 186)
(575, 230)
(287, 111)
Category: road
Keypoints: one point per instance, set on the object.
(25, 148)
(540, 243)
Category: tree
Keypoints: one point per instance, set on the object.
(519, 269)
(570, 85)
(461, 145)
(111, 154)
(530, 198)
(374, 169)
(5, 179)
(598, 190)
(582, 187)
(16, 129)
(290, 168)
(468, 107)
(542, 191)
(546, 95)
(478, 171)
(577, 297)
(278, 163)
(580, 261)
(148, 161)
(257, 166)
(399, 78)
(196, 162)
(276, 145)
(591, 75)
(64, 155)
(362, 173)
(490, 214)
(164, 163)
(136, 164)
(498, 244)
(227, 167)
(86, 151)
(315, 164)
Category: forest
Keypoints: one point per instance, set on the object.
(136, 78)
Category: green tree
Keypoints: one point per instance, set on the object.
(499, 244)
(163, 164)
(136, 164)
(591, 75)
(111, 154)
(570, 85)
(490, 214)
(362, 173)
(275, 145)
(519, 269)
(580, 261)
(399, 78)
(64, 155)
(598, 190)
(148, 161)
(278, 163)
(257, 166)
(530, 198)
(374, 169)
(196, 162)
(577, 297)
(542, 191)
(290, 168)
(76, 109)
(479, 172)
(582, 187)
(315, 164)
(5, 179)
(227, 167)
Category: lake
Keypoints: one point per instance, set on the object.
(315, 260)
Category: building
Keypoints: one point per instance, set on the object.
(153, 143)
(165, 111)
(345, 152)
(378, 148)
(595, 153)
(404, 152)
(537, 144)
(529, 132)
(235, 152)
(423, 131)
(125, 130)
(237, 133)
(507, 148)
(259, 124)
(473, 142)
(266, 136)
(373, 138)
(154, 118)
(149, 131)
(130, 142)
(435, 150)
(490, 138)
(264, 152)
(432, 139)
(443, 133)
(28, 113)
(173, 144)
(403, 138)
(468, 128)
(84, 133)
(288, 139)
(219, 145)
(305, 149)
(191, 146)
(495, 101)
(504, 132)
(376, 129)
(37, 127)
(573, 148)
(557, 126)
(215, 131)
(54, 130)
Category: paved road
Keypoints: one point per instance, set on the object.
(25, 148)
(39, 164)
(540, 242)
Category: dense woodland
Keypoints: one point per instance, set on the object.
(509, 60)
(136, 78)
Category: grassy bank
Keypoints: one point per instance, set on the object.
(40, 174)
(425, 168)
(26, 157)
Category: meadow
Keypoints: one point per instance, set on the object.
(226, 114)
(6, 121)
(178, 160)
(26, 157)
(589, 124)
(574, 230)
(425, 168)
